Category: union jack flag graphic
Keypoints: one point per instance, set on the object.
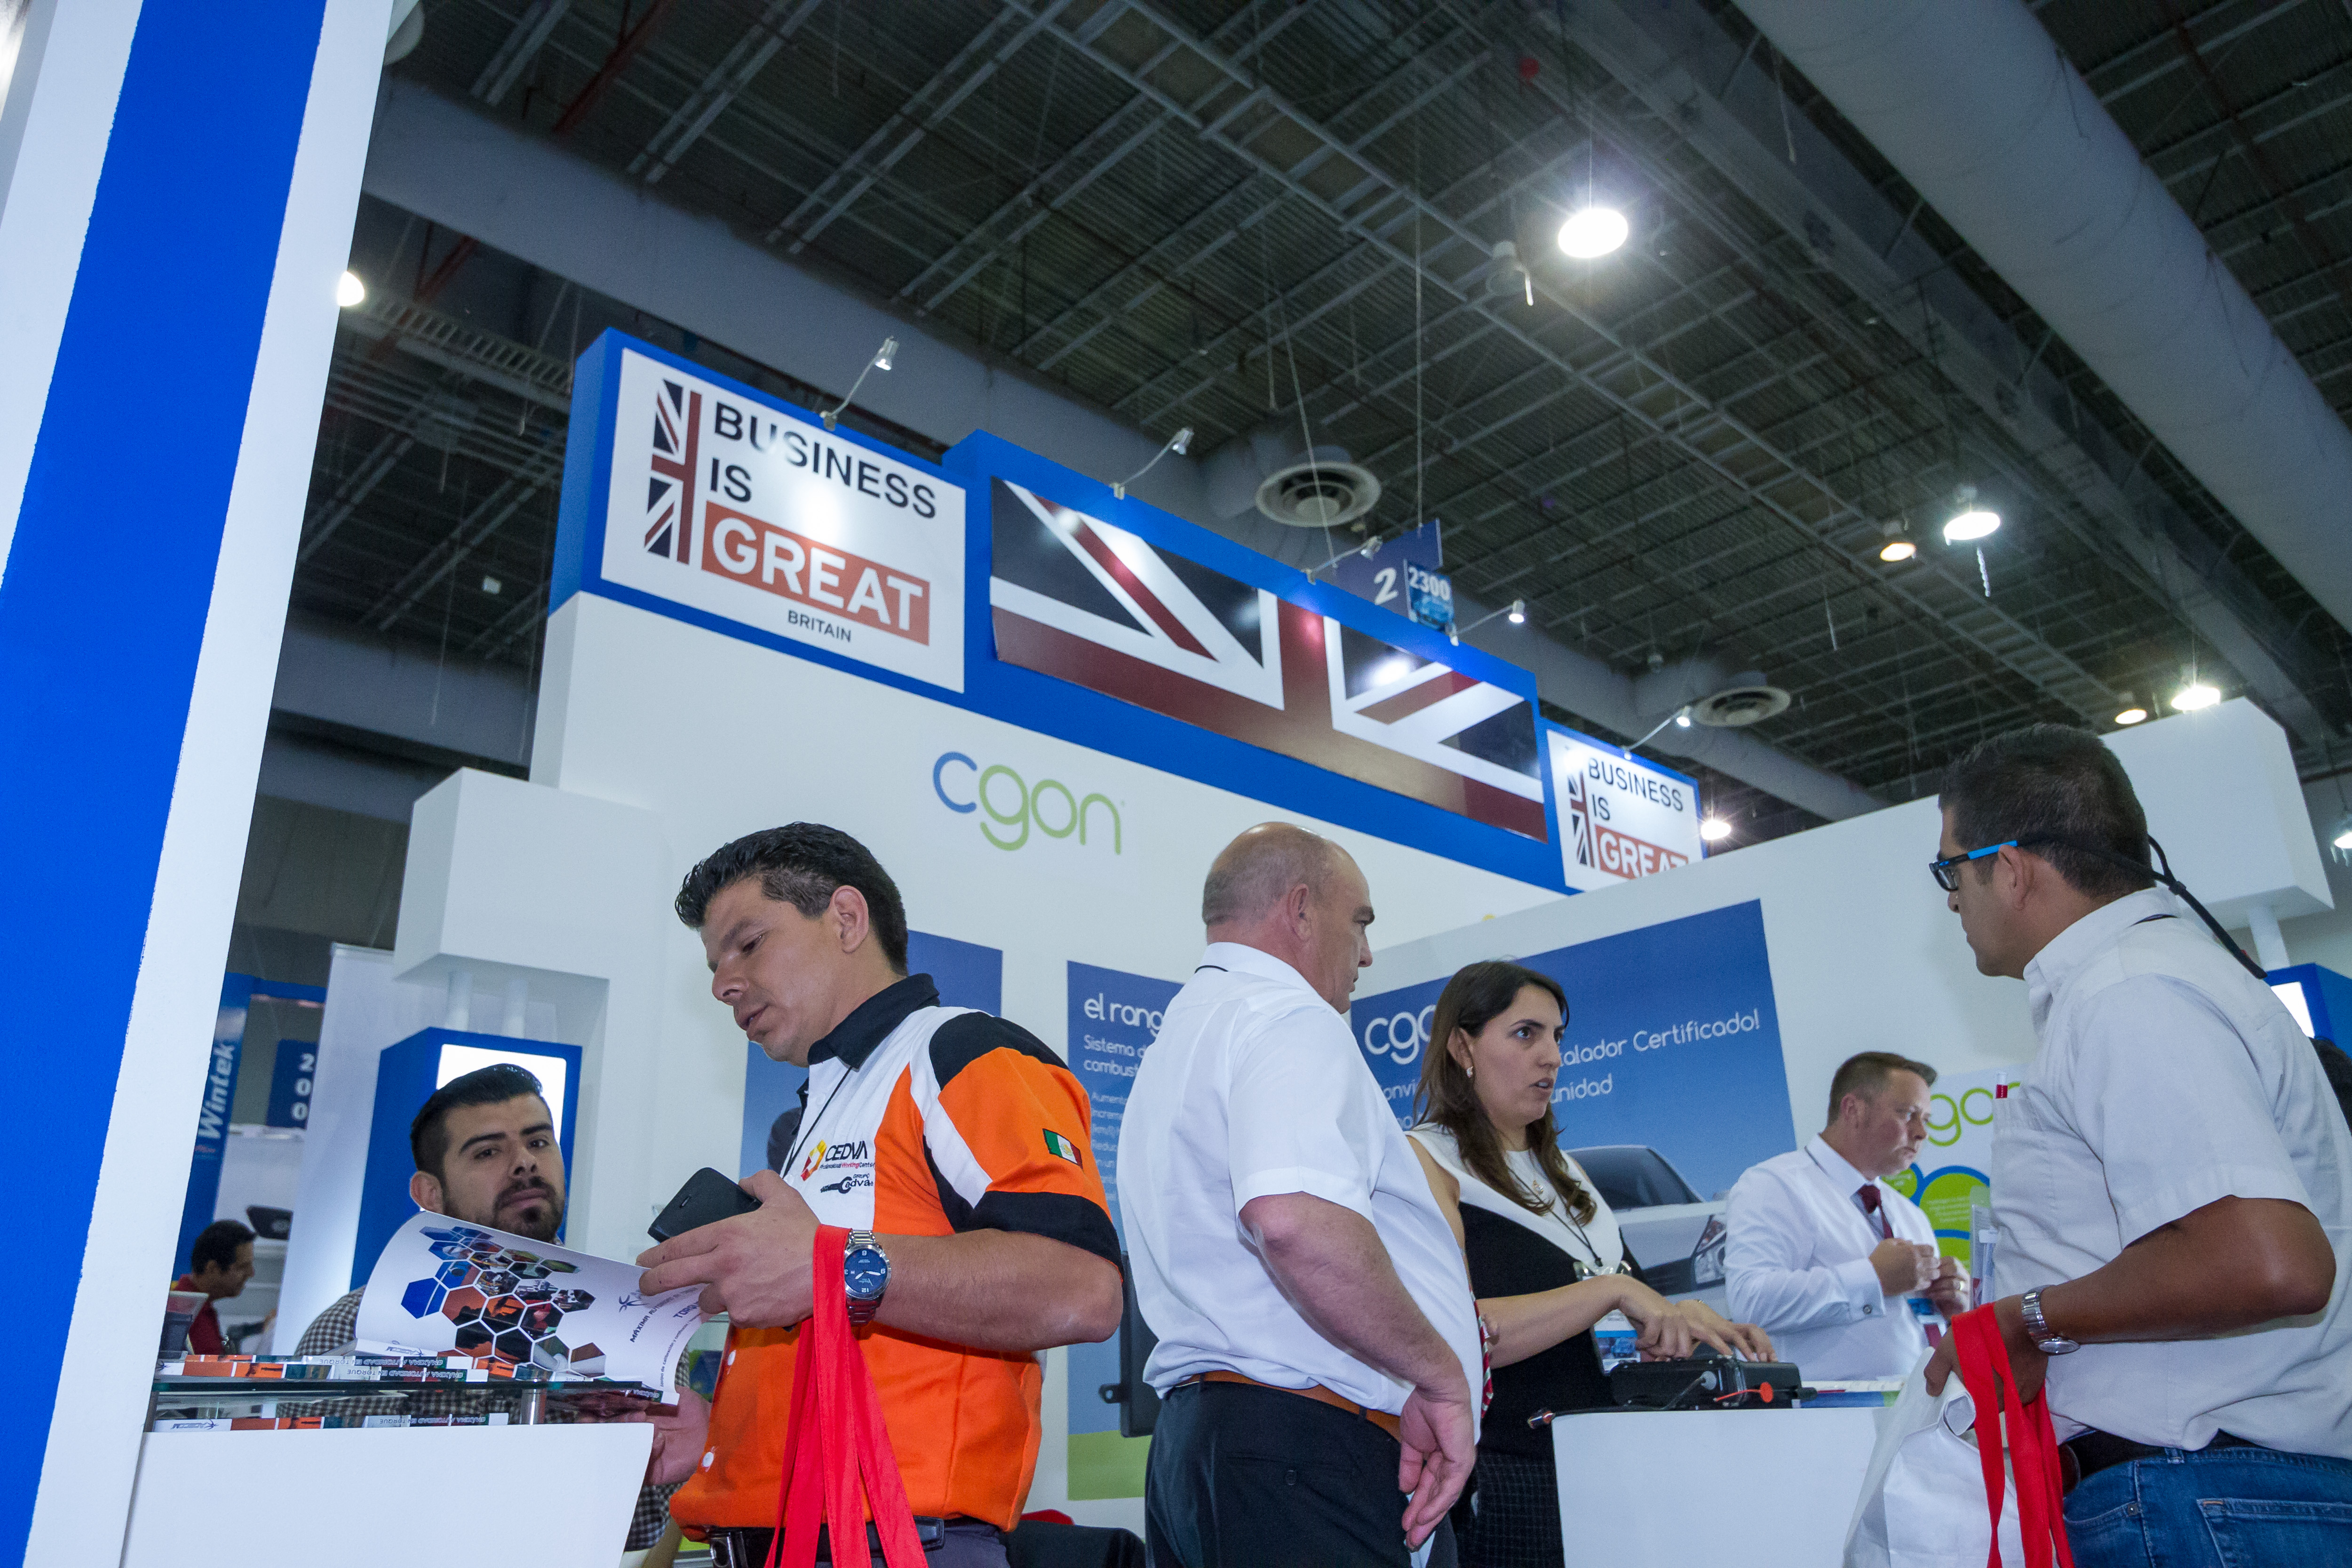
(1076, 598)
(1576, 816)
(669, 489)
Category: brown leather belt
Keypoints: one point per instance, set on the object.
(1314, 1391)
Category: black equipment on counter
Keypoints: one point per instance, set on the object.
(1705, 1383)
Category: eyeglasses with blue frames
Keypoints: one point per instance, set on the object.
(1947, 871)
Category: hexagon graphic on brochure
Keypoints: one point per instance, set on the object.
(500, 1302)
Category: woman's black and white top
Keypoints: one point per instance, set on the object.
(1515, 1251)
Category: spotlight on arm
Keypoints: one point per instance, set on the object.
(1179, 442)
(881, 362)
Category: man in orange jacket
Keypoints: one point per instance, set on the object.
(955, 1148)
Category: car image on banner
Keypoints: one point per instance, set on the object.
(1677, 1239)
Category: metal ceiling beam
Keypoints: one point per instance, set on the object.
(1093, 298)
(462, 541)
(522, 47)
(963, 76)
(733, 73)
(1085, 162)
(356, 487)
(1667, 52)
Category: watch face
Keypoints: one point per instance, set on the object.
(864, 1273)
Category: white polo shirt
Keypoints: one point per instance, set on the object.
(2169, 1078)
(1254, 1088)
(1797, 1265)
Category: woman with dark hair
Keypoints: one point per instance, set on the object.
(1546, 1263)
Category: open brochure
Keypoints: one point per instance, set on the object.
(442, 1287)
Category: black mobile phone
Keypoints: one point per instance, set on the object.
(707, 1196)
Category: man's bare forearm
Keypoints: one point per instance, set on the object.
(998, 1290)
(1329, 1262)
(2228, 1266)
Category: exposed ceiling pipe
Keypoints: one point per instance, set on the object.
(1975, 105)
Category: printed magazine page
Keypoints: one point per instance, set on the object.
(443, 1285)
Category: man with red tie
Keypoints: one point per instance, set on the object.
(1839, 1267)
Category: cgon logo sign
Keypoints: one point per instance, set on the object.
(1009, 806)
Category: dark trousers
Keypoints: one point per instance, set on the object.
(1252, 1477)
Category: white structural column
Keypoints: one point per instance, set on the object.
(153, 527)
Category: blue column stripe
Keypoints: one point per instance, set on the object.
(102, 609)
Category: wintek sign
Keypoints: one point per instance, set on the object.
(750, 511)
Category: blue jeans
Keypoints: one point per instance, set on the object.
(2230, 1508)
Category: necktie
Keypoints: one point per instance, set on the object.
(1869, 1196)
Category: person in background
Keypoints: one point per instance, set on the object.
(1838, 1264)
(486, 1154)
(485, 1149)
(954, 1147)
(2171, 1180)
(1319, 1352)
(1546, 1259)
(219, 1263)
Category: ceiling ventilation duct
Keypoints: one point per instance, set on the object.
(1719, 698)
(1977, 107)
(1271, 470)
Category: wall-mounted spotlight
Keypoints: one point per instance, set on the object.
(1591, 232)
(1516, 609)
(1179, 442)
(881, 362)
(349, 291)
(1714, 829)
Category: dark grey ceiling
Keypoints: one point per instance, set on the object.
(1214, 212)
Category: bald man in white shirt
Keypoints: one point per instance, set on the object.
(1827, 1258)
(1318, 1346)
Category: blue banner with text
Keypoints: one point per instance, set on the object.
(1673, 1044)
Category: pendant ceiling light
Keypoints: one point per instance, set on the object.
(1592, 232)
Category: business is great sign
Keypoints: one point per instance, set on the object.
(1621, 817)
(745, 509)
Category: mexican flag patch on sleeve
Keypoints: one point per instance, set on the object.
(1061, 1147)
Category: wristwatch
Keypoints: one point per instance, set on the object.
(2044, 1340)
(865, 1276)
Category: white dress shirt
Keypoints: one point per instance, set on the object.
(1797, 1265)
(2169, 1078)
(1254, 1088)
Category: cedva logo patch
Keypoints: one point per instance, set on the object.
(1009, 803)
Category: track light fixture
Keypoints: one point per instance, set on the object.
(881, 362)
(1516, 609)
(1179, 442)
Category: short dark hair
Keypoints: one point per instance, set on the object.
(216, 1245)
(2056, 780)
(428, 1134)
(802, 863)
(1866, 1076)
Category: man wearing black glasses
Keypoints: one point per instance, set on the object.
(2171, 1180)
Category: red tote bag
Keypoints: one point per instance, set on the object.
(2032, 1445)
(837, 1460)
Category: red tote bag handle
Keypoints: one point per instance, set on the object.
(2032, 1443)
(837, 1460)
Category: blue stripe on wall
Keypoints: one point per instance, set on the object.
(102, 609)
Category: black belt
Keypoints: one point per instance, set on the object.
(2086, 1453)
(748, 1547)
